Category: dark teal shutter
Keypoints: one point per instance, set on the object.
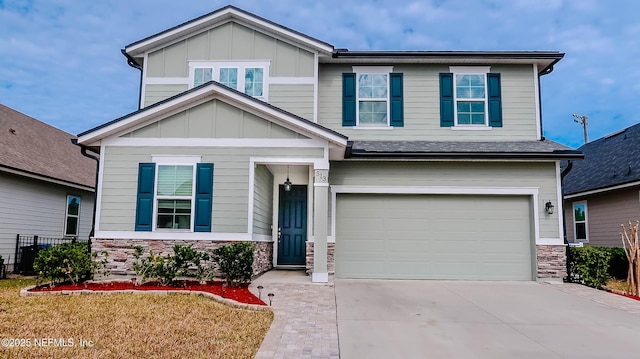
(348, 99)
(495, 100)
(204, 197)
(144, 202)
(446, 100)
(397, 100)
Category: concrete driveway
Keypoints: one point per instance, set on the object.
(447, 319)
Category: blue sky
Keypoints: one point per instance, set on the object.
(60, 60)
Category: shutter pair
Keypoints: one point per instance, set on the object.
(349, 99)
(203, 201)
(447, 102)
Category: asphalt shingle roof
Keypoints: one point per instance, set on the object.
(32, 146)
(609, 161)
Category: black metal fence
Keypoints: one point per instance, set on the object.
(27, 248)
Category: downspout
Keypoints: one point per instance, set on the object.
(83, 150)
(546, 71)
(131, 62)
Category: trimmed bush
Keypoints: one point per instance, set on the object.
(235, 261)
(184, 262)
(589, 265)
(67, 262)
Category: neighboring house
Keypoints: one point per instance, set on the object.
(399, 164)
(46, 184)
(602, 191)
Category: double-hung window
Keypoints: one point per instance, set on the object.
(372, 97)
(72, 216)
(249, 77)
(175, 193)
(470, 98)
(581, 231)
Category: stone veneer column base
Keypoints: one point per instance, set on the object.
(331, 249)
(552, 261)
(120, 261)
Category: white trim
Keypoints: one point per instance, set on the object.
(196, 236)
(550, 242)
(318, 163)
(292, 80)
(261, 238)
(595, 191)
(375, 70)
(214, 142)
(143, 85)
(251, 198)
(372, 128)
(469, 70)
(98, 198)
(536, 95)
(240, 65)
(529, 191)
(559, 202)
(319, 277)
(67, 215)
(471, 128)
(167, 81)
(586, 221)
(176, 160)
(315, 184)
(316, 77)
(372, 69)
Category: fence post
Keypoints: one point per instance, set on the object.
(15, 259)
(35, 250)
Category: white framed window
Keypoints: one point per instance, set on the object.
(580, 222)
(372, 95)
(250, 77)
(174, 193)
(470, 95)
(72, 216)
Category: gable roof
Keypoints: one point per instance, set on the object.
(32, 148)
(220, 16)
(611, 161)
(210, 90)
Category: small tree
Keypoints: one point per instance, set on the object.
(631, 245)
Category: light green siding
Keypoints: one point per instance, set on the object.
(156, 93)
(457, 174)
(422, 105)
(263, 201)
(297, 99)
(214, 119)
(230, 183)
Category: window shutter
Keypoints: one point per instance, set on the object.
(495, 100)
(397, 100)
(144, 202)
(348, 99)
(446, 100)
(204, 197)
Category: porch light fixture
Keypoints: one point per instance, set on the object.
(548, 207)
(287, 183)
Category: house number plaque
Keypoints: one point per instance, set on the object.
(322, 176)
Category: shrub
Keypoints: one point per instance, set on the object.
(235, 261)
(68, 261)
(618, 265)
(589, 265)
(184, 262)
(191, 263)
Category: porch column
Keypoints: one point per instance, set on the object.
(320, 213)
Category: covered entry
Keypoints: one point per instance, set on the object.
(434, 236)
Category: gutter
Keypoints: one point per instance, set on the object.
(83, 150)
(350, 153)
(132, 62)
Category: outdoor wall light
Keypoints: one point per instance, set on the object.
(287, 183)
(548, 207)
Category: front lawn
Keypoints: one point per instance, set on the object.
(125, 325)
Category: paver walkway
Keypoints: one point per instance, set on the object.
(601, 297)
(305, 323)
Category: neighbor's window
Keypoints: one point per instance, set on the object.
(470, 97)
(174, 196)
(72, 216)
(373, 99)
(249, 77)
(580, 222)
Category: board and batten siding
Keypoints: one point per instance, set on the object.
(297, 99)
(605, 213)
(213, 119)
(540, 175)
(422, 105)
(32, 207)
(156, 92)
(230, 182)
(263, 201)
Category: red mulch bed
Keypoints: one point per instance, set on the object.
(239, 294)
(627, 295)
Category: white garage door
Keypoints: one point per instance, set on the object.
(433, 237)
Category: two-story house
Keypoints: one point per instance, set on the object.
(366, 164)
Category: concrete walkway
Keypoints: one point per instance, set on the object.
(305, 317)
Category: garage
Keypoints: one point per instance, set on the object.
(424, 236)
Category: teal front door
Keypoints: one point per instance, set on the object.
(292, 225)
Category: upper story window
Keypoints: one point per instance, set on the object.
(72, 216)
(372, 97)
(470, 98)
(249, 77)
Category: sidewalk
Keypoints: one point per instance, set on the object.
(305, 323)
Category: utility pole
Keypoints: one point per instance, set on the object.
(583, 121)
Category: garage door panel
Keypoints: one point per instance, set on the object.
(433, 237)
